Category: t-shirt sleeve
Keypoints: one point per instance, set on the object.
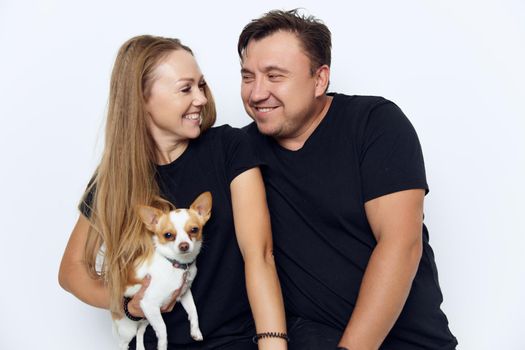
(86, 204)
(240, 155)
(391, 157)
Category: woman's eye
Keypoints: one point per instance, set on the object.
(186, 89)
(168, 235)
(202, 85)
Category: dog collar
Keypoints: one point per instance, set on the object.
(178, 265)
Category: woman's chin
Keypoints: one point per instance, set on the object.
(193, 134)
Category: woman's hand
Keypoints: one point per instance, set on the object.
(134, 304)
(169, 307)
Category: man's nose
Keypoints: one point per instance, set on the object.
(260, 91)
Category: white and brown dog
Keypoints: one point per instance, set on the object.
(177, 238)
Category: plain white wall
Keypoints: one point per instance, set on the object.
(454, 67)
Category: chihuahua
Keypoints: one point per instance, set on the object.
(177, 239)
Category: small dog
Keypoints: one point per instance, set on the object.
(177, 237)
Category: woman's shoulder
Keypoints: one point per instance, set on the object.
(223, 134)
(225, 129)
(226, 140)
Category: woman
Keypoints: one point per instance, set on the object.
(160, 148)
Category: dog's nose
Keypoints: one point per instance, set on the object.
(184, 246)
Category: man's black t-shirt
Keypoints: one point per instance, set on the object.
(210, 163)
(364, 148)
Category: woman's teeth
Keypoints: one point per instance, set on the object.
(193, 116)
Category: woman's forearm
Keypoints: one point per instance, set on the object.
(252, 226)
(266, 300)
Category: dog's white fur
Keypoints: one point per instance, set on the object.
(165, 278)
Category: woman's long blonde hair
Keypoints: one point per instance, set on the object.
(125, 176)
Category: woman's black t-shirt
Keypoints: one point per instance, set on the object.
(210, 163)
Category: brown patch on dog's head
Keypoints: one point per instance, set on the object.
(194, 225)
(166, 232)
(158, 223)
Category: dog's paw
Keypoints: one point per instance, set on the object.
(196, 334)
(162, 345)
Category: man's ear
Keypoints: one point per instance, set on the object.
(322, 77)
(150, 216)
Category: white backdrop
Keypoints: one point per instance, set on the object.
(455, 68)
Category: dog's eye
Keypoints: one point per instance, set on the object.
(168, 235)
(194, 230)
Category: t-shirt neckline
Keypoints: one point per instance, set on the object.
(180, 159)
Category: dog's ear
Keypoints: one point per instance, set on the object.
(202, 205)
(150, 216)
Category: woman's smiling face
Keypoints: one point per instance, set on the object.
(176, 98)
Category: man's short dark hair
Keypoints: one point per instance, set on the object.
(314, 35)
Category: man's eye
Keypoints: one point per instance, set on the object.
(168, 235)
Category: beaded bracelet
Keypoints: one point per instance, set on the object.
(258, 336)
(126, 311)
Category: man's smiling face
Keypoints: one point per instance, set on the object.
(278, 88)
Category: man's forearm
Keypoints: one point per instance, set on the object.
(383, 293)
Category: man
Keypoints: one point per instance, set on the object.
(345, 184)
